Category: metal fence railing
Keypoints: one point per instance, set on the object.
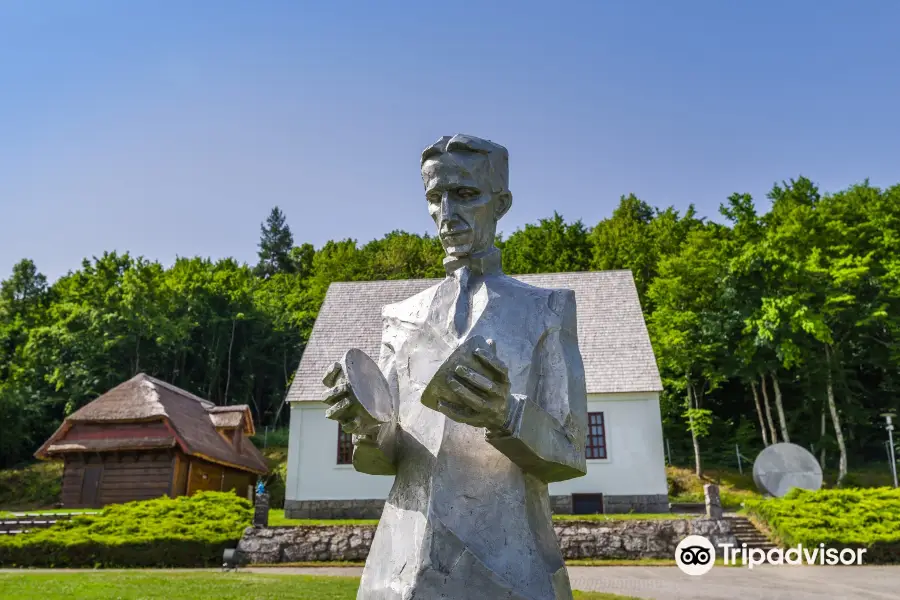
(23, 523)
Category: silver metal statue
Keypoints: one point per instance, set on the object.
(477, 403)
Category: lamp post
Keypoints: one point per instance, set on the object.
(893, 456)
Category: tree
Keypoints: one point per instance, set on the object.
(828, 292)
(402, 255)
(624, 241)
(788, 320)
(748, 278)
(302, 260)
(23, 297)
(275, 245)
(684, 327)
(25, 287)
(637, 237)
(23, 301)
(551, 246)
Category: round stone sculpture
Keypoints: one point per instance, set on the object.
(783, 466)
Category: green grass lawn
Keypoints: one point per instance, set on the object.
(734, 487)
(277, 519)
(623, 517)
(144, 585)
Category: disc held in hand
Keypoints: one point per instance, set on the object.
(368, 384)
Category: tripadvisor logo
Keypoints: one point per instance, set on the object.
(796, 555)
(696, 555)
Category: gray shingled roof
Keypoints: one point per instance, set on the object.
(612, 334)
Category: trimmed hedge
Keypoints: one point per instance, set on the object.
(838, 518)
(167, 532)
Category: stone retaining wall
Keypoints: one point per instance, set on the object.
(624, 539)
(305, 544)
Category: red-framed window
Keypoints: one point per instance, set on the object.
(344, 447)
(596, 437)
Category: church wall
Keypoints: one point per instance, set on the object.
(635, 463)
(313, 472)
(631, 478)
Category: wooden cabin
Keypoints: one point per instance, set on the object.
(146, 438)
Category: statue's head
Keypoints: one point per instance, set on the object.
(467, 188)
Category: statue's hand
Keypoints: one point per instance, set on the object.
(482, 390)
(343, 404)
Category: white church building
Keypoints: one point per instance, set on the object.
(625, 457)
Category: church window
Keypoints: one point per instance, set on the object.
(596, 437)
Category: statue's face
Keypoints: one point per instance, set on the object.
(465, 211)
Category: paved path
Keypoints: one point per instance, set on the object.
(722, 583)
(668, 583)
(761, 583)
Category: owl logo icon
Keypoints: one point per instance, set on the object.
(695, 555)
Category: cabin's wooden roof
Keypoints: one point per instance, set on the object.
(233, 417)
(191, 421)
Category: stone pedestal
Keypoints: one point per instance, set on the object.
(261, 511)
(713, 502)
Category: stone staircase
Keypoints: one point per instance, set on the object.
(746, 532)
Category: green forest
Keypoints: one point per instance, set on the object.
(780, 326)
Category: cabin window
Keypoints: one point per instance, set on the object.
(344, 448)
(596, 436)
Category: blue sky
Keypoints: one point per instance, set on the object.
(170, 128)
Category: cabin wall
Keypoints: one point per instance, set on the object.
(180, 475)
(73, 471)
(238, 481)
(128, 476)
(138, 476)
(95, 480)
(204, 477)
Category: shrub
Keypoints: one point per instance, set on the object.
(37, 485)
(275, 482)
(862, 518)
(167, 532)
(276, 486)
